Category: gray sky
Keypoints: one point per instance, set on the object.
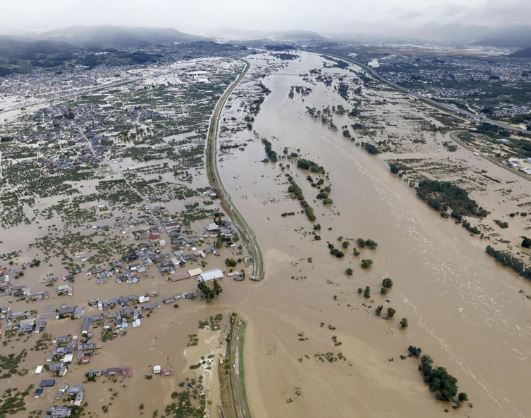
(207, 16)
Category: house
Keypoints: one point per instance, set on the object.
(64, 290)
(172, 226)
(18, 316)
(40, 325)
(33, 297)
(76, 393)
(27, 325)
(47, 383)
(58, 412)
(70, 311)
(68, 358)
(112, 371)
(180, 275)
(195, 272)
(154, 236)
(210, 275)
(92, 374)
(64, 340)
(211, 227)
(58, 368)
(86, 326)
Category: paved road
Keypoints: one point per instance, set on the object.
(246, 233)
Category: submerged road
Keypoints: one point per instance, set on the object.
(245, 231)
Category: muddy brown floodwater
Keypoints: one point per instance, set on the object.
(464, 310)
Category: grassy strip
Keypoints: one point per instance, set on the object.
(245, 404)
(232, 386)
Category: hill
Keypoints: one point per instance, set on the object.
(22, 55)
(517, 36)
(118, 37)
(522, 53)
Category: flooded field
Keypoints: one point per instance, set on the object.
(314, 346)
(107, 208)
(75, 238)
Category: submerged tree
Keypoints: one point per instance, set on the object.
(390, 313)
(217, 288)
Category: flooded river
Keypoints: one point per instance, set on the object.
(464, 310)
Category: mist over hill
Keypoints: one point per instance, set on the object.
(89, 47)
(118, 37)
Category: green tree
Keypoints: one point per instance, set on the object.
(217, 288)
(206, 291)
(387, 283)
(230, 262)
(367, 292)
(366, 263)
(390, 313)
(403, 323)
(379, 310)
(462, 397)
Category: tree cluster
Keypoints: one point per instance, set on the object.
(304, 164)
(208, 293)
(272, 155)
(441, 195)
(510, 261)
(366, 243)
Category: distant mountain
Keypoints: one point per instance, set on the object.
(271, 36)
(462, 34)
(28, 48)
(522, 53)
(448, 32)
(297, 36)
(118, 37)
(21, 55)
(90, 47)
(516, 37)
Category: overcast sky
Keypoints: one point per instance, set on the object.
(208, 16)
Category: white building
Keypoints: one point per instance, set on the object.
(210, 275)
